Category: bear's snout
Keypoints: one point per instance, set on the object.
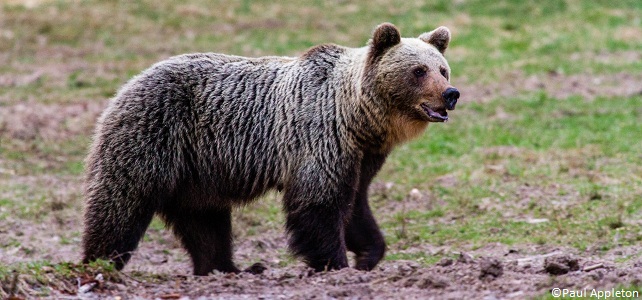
(450, 96)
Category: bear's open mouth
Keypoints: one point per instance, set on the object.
(439, 115)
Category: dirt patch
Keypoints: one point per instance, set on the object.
(504, 277)
(560, 264)
(588, 86)
(27, 121)
(160, 268)
(45, 226)
(491, 268)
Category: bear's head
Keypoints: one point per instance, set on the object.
(412, 77)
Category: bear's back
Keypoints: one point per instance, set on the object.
(230, 125)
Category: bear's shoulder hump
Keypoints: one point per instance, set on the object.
(324, 51)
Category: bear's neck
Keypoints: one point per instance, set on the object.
(367, 116)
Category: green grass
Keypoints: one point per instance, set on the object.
(420, 257)
(572, 161)
(39, 277)
(491, 37)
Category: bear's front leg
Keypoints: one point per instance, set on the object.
(317, 208)
(363, 236)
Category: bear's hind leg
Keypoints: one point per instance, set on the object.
(207, 237)
(112, 230)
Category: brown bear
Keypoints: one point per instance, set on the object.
(198, 134)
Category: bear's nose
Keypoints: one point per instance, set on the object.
(450, 95)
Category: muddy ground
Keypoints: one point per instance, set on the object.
(495, 272)
(161, 269)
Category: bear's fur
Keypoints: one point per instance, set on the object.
(197, 134)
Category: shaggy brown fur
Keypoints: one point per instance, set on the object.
(198, 134)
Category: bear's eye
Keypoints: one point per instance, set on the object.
(443, 72)
(419, 72)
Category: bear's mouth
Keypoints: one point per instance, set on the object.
(437, 115)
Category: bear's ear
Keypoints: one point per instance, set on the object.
(439, 38)
(385, 36)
